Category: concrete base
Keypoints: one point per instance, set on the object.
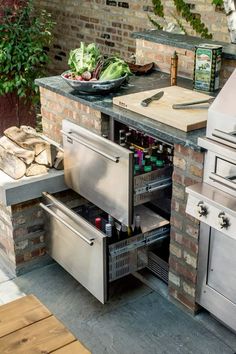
(137, 320)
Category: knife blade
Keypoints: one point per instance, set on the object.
(155, 97)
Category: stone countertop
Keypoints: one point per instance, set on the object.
(103, 103)
(182, 41)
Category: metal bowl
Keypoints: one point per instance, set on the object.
(94, 86)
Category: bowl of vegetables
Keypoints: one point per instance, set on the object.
(90, 72)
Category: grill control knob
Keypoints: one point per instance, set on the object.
(202, 209)
(223, 220)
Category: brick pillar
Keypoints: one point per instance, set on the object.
(21, 235)
(188, 169)
(55, 108)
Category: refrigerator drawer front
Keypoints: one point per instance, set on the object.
(77, 246)
(99, 170)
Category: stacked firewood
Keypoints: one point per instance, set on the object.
(24, 152)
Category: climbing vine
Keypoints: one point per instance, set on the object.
(184, 10)
(218, 2)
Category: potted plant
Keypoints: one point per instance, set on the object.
(25, 33)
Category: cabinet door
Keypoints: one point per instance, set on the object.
(99, 170)
(77, 246)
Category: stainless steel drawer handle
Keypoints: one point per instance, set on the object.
(49, 211)
(107, 156)
(217, 178)
(225, 136)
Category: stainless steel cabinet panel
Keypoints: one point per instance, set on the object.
(77, 246)
(99, 170)
(216, 275)
(222, 264)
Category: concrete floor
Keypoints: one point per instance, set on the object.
(136, 320)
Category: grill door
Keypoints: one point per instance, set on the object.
(99, 170)
(77, 246)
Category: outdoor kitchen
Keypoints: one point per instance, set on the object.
(132, 176)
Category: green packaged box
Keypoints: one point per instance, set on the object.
(207, 66)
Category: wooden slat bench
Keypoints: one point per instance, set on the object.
(28, 327)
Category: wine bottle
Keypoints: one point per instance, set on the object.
(98, 223)
(137, 225)
(123, 234)
(114, 232)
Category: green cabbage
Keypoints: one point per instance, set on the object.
(114, 69)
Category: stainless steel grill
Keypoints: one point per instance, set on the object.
(213, 202)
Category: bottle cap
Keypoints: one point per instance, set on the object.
(147, 168)
(159, 163)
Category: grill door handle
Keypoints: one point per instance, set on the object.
(225, 136)
(49, 211)
(217, 178)
(104, 154)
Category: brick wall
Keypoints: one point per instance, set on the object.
(160, 54)
(55, 108)
(188, 168)
(21, 235)
(110, 24)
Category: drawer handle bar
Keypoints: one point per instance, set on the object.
(216, 178)
(49, 211)
(225, 136)
(107, 156)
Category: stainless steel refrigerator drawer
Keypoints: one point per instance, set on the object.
(77, 246)
(102, 172)
(99, 170)
(83, 250)
(213, 207)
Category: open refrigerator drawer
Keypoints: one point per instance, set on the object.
(87, 253)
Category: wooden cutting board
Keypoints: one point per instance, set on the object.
(184, 119)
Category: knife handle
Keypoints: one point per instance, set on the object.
(146, 102)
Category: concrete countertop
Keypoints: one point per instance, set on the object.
(103, 103)
(185, 42)
(26, 188)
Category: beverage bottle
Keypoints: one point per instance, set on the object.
(108, 231)
(98, 223)
(121, 136)
(145, 153)
(148, 164)
(123, 234)
(128, 138)
(137, 225)
(114, 232)
(130, 231)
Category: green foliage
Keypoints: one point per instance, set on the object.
(218, 2)
(24, 35)
(158, 8)
(184, 10)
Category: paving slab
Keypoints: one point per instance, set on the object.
(136, 320)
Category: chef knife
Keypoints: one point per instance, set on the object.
(189, 104)
(155, 97)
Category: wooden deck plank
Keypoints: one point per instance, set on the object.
(73, 348)
(21, 313)
(44, 336)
